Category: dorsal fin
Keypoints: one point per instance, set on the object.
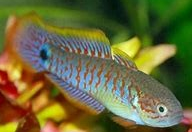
(92, 42)
(123, 59)
(32, 30)
(77, 96)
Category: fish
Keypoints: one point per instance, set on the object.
(93, 75)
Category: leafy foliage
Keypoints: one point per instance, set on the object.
(151, 21)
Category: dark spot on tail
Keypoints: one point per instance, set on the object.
(43, 54)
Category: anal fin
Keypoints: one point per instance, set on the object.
(77, 96)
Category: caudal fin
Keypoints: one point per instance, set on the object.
(23, 41)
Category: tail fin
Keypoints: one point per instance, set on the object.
(22, 40)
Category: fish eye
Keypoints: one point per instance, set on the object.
(162, 109)
(43, 54)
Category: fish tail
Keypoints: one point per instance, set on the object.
(22, 42)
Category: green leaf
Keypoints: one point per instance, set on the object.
(54, 111)
(29, 92)
(151, 57)
(9, 127)
(173, 9)
(130, 47)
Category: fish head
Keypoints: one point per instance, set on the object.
(156, 105)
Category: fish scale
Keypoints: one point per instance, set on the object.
(77, 66)
(93, 67)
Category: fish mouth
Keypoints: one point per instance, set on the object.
(172, 121)
(168, 122)
(176, 119)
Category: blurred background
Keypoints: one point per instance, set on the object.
(153, 21)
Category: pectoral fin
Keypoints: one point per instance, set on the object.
(123, 122)
(77, 96)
